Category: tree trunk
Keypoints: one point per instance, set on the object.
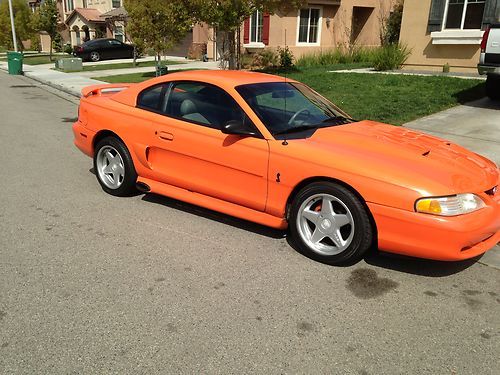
(232, 63)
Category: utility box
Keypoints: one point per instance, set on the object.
(72, 64)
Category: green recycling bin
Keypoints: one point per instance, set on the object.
(15, 62)
(161, 70)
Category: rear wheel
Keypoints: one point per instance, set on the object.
(493, 86)
(114, 167)
(94, 56)
(330, 224)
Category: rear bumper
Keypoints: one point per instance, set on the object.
(435, 237)
(488, 69)
(83, 138)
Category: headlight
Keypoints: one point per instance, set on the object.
(450, 206)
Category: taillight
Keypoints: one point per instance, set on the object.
(485, 39)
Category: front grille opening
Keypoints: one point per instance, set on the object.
(483, 240)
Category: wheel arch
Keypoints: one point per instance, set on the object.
(311, 180)
(101, 134)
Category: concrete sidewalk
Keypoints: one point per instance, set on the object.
(73, 83)
(412, 73)
(211, 65)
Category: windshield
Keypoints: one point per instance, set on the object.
(286, 107)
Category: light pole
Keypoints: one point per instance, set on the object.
(14, 39)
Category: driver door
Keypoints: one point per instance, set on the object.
(190, 151)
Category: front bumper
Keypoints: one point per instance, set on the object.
(437, 237)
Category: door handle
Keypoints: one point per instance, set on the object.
(165, 136)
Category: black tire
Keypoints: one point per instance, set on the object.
(493, 86)
(363, 235)
(128, 184)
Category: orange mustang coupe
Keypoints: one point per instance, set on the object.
(275, 152)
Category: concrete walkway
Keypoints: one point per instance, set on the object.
(412, 73)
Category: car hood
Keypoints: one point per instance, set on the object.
(428, 164)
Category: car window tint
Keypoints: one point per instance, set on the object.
(203, 104)
(150, 98)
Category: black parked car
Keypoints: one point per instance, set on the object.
(103, 49)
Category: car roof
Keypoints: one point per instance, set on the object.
(223, 78)
(226, 79)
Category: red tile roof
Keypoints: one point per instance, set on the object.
(89, 14)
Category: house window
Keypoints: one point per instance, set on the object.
(116, 3)
(464, 14)
(70, 6)
(119, 33)
(309, 26)
(256, 26)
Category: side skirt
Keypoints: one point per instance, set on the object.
(214, 204)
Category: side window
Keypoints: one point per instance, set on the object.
(150, 98)
(203, 104)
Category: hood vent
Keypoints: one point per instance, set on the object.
(426, 153)
(492, 191)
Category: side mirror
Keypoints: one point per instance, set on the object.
(237, 128)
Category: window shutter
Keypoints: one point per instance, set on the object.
(491, 12)
(436, 15)
(265, 28)
(246, 31)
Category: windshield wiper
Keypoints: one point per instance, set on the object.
(296, 129)
(338, 118)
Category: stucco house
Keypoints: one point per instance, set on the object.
(81, 20)
(440, 32)
(321, 24)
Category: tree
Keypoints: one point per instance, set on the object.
(21, 21)
(391, 25)
(227, 16)
(46, 19)
(157, 24)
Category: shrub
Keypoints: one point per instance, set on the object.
(339, 55)
(390, 57)
(68, 49)
(286, 58)
(57, 43)
(267, 58)
(36, 44)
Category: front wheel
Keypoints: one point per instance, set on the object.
(114, 167)
(94, 56)
(330, 224)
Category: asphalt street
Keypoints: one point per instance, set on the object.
(90, 283)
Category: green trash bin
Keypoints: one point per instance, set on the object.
(161, 70)
(15, 62)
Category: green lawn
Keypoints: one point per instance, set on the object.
(128, 65)
(43, 59)
(395, 99)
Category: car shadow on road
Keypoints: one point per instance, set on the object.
(213, 215)
(416, 266)
(485, 103)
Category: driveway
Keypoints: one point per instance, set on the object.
(475, 125)
(91, 283)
